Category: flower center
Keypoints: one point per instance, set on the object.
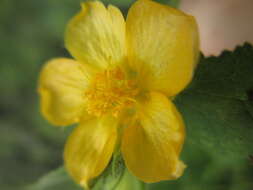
(110, 92)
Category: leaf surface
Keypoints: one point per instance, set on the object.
(217, 106)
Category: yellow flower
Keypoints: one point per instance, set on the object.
(119, 88)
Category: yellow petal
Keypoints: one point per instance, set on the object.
(61, 88)
(151, 146)
(97, 35)
(163, 46)
(89, 149)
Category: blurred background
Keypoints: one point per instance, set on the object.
(31, 32)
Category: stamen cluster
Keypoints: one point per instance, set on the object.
(110, 92)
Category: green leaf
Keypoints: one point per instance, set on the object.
(112, 176)
(173, 3)
(115, 177)
(217, 107)
(122, 4)
(55, 180)
(127, 3)
(129, 182)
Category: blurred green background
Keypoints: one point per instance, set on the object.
(31, 32)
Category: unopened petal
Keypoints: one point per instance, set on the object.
(163, 46)
(152, 144)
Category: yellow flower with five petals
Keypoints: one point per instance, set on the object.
(119, 88)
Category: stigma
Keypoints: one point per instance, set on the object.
(110, 92)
